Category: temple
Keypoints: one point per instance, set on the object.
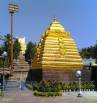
(57, 56)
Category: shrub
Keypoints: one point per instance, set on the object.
(38, 93)
(87, 85)
(29, 86)
(49, 86)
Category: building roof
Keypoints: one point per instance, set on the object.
(57, 50)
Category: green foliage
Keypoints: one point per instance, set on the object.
(7, 42)
(38, 93)
(89, 52)
(48, 86)
(1, 49)
(87, 85)
(2, 61)
(30, 51)
(17, 49)
(0, 90)
(7, 46)
(29, 86)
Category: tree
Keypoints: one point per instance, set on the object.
(30, 51)
(89, 52)
(16, 49)
(7, 47)
(84, 53)
(1, 51)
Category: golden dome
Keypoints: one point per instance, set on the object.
(55, 25)
(57, 50)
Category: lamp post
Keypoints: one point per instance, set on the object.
(78, 74)
(12, 9)
(4, 55)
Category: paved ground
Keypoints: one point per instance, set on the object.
(17, 96)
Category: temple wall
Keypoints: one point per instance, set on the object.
(59, 75)
(51, 74)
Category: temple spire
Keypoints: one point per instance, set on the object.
(55, 25)
(54, 18)
(55, 50)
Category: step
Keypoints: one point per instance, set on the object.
(12, 84)
(21, 62)
(21, 68)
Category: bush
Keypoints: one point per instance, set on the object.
(38, 93)
(29, 86)
(49, 86)
(87, 85)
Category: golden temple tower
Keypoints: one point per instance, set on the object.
(57, 56)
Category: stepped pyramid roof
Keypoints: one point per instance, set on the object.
(57, 50)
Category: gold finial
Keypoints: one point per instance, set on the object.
(54, 18)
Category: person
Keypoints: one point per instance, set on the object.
(21, 85)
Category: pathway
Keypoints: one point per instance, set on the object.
(18, 96)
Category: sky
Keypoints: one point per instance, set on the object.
(79, 17)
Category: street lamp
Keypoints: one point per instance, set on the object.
(78, 74)
(12, 9)
(4, 55)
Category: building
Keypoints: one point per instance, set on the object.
(21, 67)
(57, 56)
(22, 43)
